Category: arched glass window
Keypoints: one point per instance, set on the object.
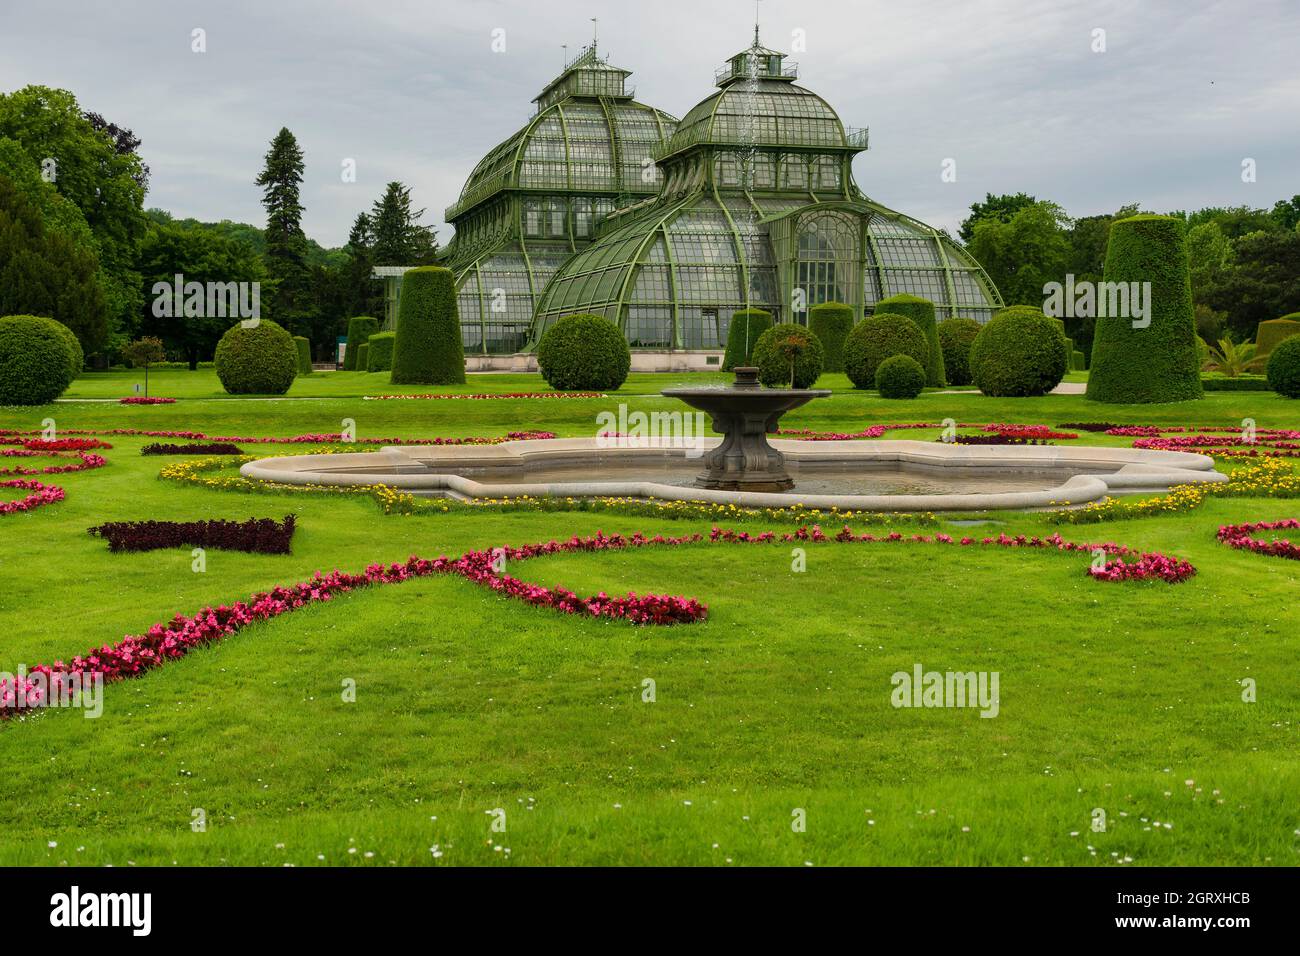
(828, 266)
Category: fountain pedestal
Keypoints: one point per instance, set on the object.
(745, 414)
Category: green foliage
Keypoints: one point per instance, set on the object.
(380, 355)
(1078, 361)
(363, 357)
(1231, 359)
(35, 360)
(1020, 352)
(1284, 367)
(99, 171)
(1260, 282)
(428, 349)
(584, 353)
(1242, 383)
(746, 326)
(875, 339)
(920, 311)
(1024, 253)
(395, 234)
(360, 328)
(199, 255)
(997, 208)
(1156, 363)
(1272, 331)
(955, 338)
(47, 270)
(77, 356)
(261, 360)
(144, 352)
(286, 244)
(788, 356)
(831, 322)
(900, 376)
(303, 345)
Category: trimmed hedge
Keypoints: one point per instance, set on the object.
(585, 353)
(380, 356)
(261, 360)
(774, 368)
(363, 357)
(75, 351)
(1272, 331)
(920, 311)
(1157, 363)
(1020, 352)
(303, 344)
(875, 339)
(1242, 383)
(1078, 361)
(756, 321)
(360, 328)
(428, 349)
(955, 338)
(35, 360)
(1284, 367)
(900, 376)
(831, 322)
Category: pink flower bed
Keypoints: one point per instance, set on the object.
(1241, 536)
(1213, 440)
(146, 400)
(322, 438)
(40, 495)
(136, 654)
(88, 461)
(1011, 431)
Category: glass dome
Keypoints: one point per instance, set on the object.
(758, 209)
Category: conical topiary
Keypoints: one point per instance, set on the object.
(360, 328)
(831, 322)
(428, 349)
(920, 311)
(746, 326)
(1150, 357)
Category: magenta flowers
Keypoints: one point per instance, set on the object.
(1242, 536)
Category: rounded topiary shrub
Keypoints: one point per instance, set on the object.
(379, 358)
(360, 328)
(363, 357)
(875, 339)
(785, 349)
(428, 348)
(35, 360)
(955, 338)
(920, 311)
(256, 360)
(586, 353)
(1273, 331)
(1019, 352)
(76, 354)
(1284, 367)
(831, 322)
(1153, 360)
(900, 376)
(303, 344)
(742, 334)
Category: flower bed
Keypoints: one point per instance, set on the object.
(137, 654)
(256, 535)
(86, 463)
(1241, 536)
(209, 448)
(308, 439)
(143, 400)
(40, 495)
(62, 444)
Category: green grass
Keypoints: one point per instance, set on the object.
(1112, 696)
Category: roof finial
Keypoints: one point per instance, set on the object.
(756, 43)
(595, 25)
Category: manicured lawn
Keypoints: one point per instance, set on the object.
(1113, 696)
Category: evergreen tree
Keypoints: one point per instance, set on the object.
(396, 236)
(286, 244)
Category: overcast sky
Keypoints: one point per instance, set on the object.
(412, 90)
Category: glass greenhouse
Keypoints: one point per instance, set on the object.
(534, 200)
(604, 205)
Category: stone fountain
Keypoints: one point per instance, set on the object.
(745, 413)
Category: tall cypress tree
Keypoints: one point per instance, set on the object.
(286, 244)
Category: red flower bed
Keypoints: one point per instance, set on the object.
(1029, 431)
(136, 654)
(1039, 432)
(209, 448)
(1241, 536)
(88, 461)
(143, 400)
(1223, 442)
(998, 439)
(40, 495)
(323, 438)
(256, 535)
(62, 444)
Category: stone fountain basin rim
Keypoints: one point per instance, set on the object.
(1124, 470)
